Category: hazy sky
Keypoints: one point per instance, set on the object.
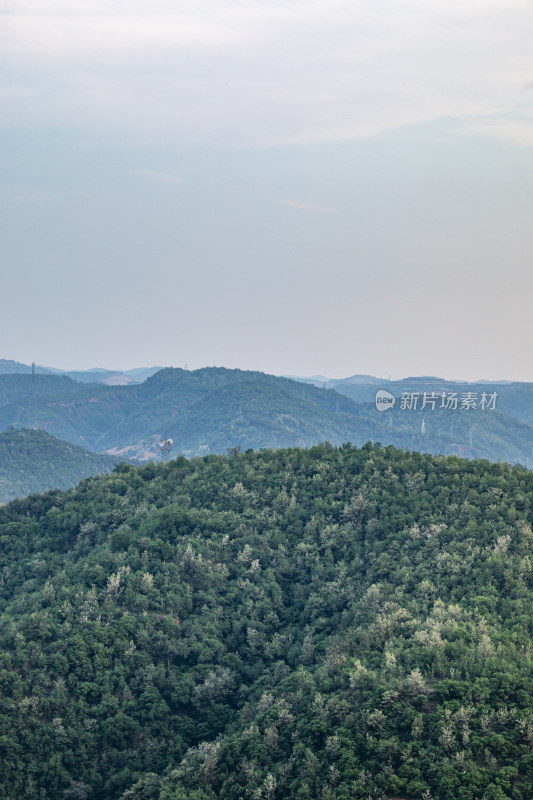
(296, 187)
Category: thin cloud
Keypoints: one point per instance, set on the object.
(263, 73)
(516, 127)
(305, 206)
(158, 177)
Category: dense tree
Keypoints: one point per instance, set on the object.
(324, 623)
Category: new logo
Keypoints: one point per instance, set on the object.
(384, 400)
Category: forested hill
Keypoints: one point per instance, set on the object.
(324, 623)
(34, 461)
(213, 409)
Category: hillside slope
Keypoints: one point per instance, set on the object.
(34, 461)
(331, 623)
(212, 410)
(514, 399)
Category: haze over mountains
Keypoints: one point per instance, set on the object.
(96, 375)
(514, 397)
(211, 410)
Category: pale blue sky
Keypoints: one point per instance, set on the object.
(294, 187)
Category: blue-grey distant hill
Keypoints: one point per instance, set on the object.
(9, 367)
(95, 375)
(213, 409)
(514, 398)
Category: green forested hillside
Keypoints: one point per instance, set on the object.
(34, 461)
(324, 623)
(213, 409)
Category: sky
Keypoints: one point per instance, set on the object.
(294, 187)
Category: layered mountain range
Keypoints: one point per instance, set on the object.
(213, 409)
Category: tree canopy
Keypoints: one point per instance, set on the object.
(332, 623)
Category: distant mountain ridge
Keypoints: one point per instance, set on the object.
(214, 409)
(8, 366)
(95, 375)
(514, 398)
